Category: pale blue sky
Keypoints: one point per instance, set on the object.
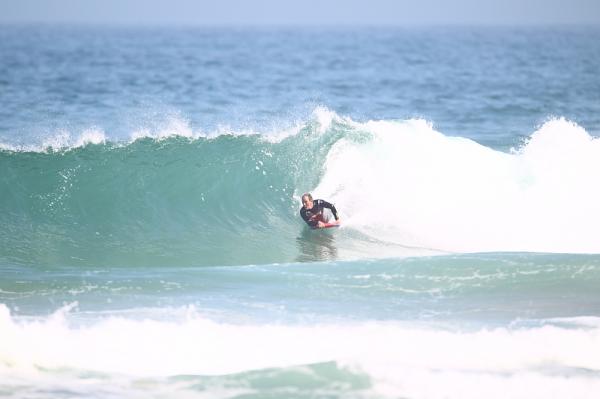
(303, 12)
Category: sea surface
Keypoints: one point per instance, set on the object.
(150, 241)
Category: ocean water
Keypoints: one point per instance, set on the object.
(150, 242)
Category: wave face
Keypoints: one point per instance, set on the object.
(233, 198)
(201, 200)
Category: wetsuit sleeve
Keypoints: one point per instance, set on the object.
(304, 216)
(326, 204)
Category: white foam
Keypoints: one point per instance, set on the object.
(173, 127)
(414, 186)
(402, 360)
(178, 127)
(324, 118)
(60, 141)
(91, 136)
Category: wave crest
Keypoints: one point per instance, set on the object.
(233, 198)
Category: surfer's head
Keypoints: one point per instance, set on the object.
(307, 201)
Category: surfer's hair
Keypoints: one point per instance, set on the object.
(307, 195)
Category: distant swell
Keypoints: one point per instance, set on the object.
(233, 198)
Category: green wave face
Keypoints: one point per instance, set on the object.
(225, 200)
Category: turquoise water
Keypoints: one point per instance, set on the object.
(150, 242)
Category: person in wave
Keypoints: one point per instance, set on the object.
(318, 213)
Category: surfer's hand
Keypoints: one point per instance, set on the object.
(320, 224)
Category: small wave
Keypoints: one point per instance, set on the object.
(396, 359)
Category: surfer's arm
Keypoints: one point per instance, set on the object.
(327, 205)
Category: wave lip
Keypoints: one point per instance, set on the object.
(173, 127)
(61, 141)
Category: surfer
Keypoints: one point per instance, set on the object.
(318, 213)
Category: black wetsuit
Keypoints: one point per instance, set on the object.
(314, 215)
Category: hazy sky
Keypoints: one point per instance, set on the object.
(303, 12)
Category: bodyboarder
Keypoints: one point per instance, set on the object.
(318, 213)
